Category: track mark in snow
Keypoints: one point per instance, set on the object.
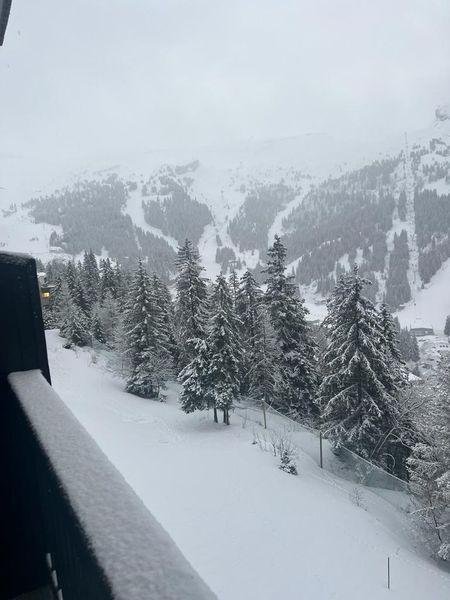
(277, 225)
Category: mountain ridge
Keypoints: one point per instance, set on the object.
(232, 200)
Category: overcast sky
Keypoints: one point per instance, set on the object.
(86, 77)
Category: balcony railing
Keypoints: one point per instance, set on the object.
(99, 540)
(69, 521)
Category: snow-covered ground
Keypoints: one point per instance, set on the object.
(249, 529)
(430, 305)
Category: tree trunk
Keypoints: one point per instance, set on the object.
(216, 420)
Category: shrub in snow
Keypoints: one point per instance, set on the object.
(356, 497)
(287, 464)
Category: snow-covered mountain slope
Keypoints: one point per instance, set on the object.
(332, 201)
(249, 529)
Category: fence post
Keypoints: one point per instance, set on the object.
(321, 450)
(388, 573)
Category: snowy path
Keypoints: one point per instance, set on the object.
(136, 212)
(250, 530)
(413, 271)
(277, 225)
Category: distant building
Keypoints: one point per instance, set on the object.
(45, 288)
(421, 331)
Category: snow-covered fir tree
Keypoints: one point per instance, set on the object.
(121, 280)
(96, 327)
(109, 316)
(90, 278)
(195, 379)
(263, 371)
(429, 463)
(71, 276)
(408, 346)
(145, 348)
(163, 302)
(190, 301)
(224, 350)
(233, 281)
(390, 341)
(251, 312)
(107, 279)
(447, 326)
(359, 391)
(73, 322)
(297, 375)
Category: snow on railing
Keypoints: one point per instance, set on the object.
(101, 541)
(347, 465)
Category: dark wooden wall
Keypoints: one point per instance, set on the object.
(22, 347)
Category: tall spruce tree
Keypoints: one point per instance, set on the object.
(233, 281)
(71, 276)
(107, 279)
(263, 372)
(73, 322)
(224, 348)
(429, 463)
(90, 278)
(147, 355)
(163, 303)
(297, 382)
(447, 326)
(249, 306)
(358, 394)
(190, 304)
(109, 315)
(195, 379)
(390, 342)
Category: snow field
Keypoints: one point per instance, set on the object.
(249, 529)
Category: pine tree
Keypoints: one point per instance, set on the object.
(389, 340)
(147, 357)
(429, 464)
(107, 279)
(358, 394)
(263, 373)
(97, 328)
(414, 352)
(108, 313)
(120, 282)
(79, 297)
(447, 326)
(71, 277)
(233, 282)
(163, 303)
(297, 382)
(251, 313)
(195, 380)
(73, 322)
(224, 346)
(91, 278)
(190, 305)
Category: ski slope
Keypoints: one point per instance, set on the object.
(249, 529)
